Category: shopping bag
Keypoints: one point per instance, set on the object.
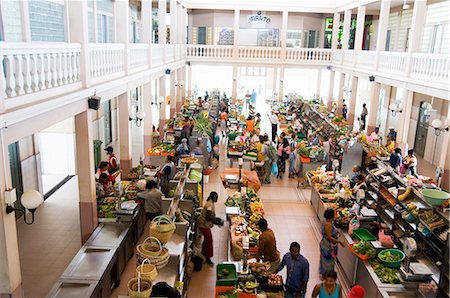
(385, 240)
(353, 225)
(274, 169)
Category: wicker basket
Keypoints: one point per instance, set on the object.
(147, 271)
(160, 261)
(139, 287)
(151, 246)
(162, 227)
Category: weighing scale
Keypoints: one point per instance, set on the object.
(413, 272)
(245, 247)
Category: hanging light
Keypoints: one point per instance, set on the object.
(406, 5)
(31, 199)
(439, 126)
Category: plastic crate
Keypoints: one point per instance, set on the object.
(363, 234)
(223, 289)
(231, 279)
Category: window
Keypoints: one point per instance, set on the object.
(388, 40)
(104, 29)
(437, 39)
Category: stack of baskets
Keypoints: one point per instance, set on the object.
(162, 227)
(139, 287)
(153, 250)
(147, 270)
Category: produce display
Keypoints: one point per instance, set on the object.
(248, 284)
(259, 268)
(385, 274)
(275, 280)
(304, 149)
(431, 219)
(229, 294)
(195, 174)
(162, 149)
(108, 208)
(390, 257)
(203, 126)
(365, 248)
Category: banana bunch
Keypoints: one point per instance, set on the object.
(256, 206)
(248, 287)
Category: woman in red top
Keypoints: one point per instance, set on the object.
(113, 165)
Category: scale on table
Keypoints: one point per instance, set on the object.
(245, 247)
(413, 272)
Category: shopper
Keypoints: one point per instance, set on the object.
(344, 111)
(392, 133)
(375, 135)
(205, 222)
(250, 124)
(297, 271)
(267, 246)
(183, 148)
(328, 288)
(102, 168)
(223, 126)
(395, 160)
(155, 136)
(152, 198)
(113, 165)
(247, 99)
(274, 121)
(364, 113)
(356, 171)
(360, 183)
(294, 157)
(256, 136)
(257, 120)
(168, 171)
(284, 150)
(356, 292)
(328, 244)
(198, 147)
(326, 149)
(270, 154)
(410, 162)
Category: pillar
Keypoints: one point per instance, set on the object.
(180, 89)
(444, 159)
(340, 99)
(373, 107)
(318, 82)
(417, 24)
(124, 133)
(275, 80)
(235, 84)
(162, 108)
(162, 10)
(283, 36)
(173, 25)
(281, 91)
(382, 29)
(11, 279)
(173, 92)
(183, 88)
(189, 80)
(360, 19)
(78, 17)
(346, 29)
(85, 171)
(405, 117)
(236, 33)
(147, 98)
(335, 34)
(352, 103)
(330, 90)
(147, 29)
(122, 29)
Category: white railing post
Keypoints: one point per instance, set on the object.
(417, 24)
(284, 25)
(382, 30)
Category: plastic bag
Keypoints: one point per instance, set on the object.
(385, 240)
(353, 225)
(274, 169)
(355, 209)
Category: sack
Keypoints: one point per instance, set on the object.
(353, 225)
(271, 152)
(218, 221)
(385, 240)
(274, 169)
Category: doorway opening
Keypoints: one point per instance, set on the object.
(420, 140)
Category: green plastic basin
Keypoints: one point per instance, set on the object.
(394, 252)
(435, 197)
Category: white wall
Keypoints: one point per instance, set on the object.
(301, 81)
(208, 77)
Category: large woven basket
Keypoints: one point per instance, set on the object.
(160, 260)
(162, 227)
(151, 246)
(147, 270)
(139, 287)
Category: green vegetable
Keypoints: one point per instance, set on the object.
(251, 193)
(171, 193)
(365, 248)
(203, 126)
(390, 257)
(385, 274)
(229, 294)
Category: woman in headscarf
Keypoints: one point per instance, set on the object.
(183, 148)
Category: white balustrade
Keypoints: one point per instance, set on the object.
(349, 57)
(366, 59)
(392, 62)
(271, 53)
(170, 53)
(313, 55)
(106, 59)
(208, 51)
(338, 56)
(138, 55)
(32, 67)
(432, 66)
(157, 54)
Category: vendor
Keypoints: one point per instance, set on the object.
(241, 137)
(183, 148)
(274, 121)
(392, 133)
(410, 162)
(395, 160)
(360, 184)
(205, 222)
(375, 135)
(267, 246)
(168, 171)
(198, 147)
(255, 138)
(390, 144)
(113, 165)
(356, 172)
(152, 197)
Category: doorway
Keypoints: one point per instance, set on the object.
(201, 35)
(422, 129)
(312, 39)
(388, 40)
(16, 174)
(108, 127)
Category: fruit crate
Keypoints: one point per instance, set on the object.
(363, 234)
(222, 289)
(230, 279)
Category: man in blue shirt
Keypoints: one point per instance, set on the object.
(297, 271)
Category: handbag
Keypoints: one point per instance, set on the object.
(274, 169)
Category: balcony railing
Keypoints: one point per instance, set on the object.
(27, 69)
(207, 51)
(366, 59)
(157, 54)
(425, 66)
(259, 53)
(106, 59)
(392, 62)
(138, 56)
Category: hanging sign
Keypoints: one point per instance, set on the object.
(259, 17)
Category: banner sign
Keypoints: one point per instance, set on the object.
(259, 17)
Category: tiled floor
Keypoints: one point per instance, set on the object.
(48, 245)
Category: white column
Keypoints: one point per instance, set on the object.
(25, 14)
(173, 21)
(353, 98)
(179, 89)
(147, 98)
(162, 110)
(281, 91)
(162, 9)
(330, 98)
(346, 29)
(382, 29)
(184, 29)
(189, 80)
(406, 98)
(11, 278)
(236, 33)
(86, 179)
(78, 18)
(283, 37)
(415, 35)
(373, 107)
(360, 19)
(147, 29)
(335, 35)
(94, 10)
(124, 133)
(183, 89)
(318, 82)
(122, 21)
(173, 91)
(341, 92)
(235, 83)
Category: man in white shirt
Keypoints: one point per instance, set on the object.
(375, 135)
(274, 120)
